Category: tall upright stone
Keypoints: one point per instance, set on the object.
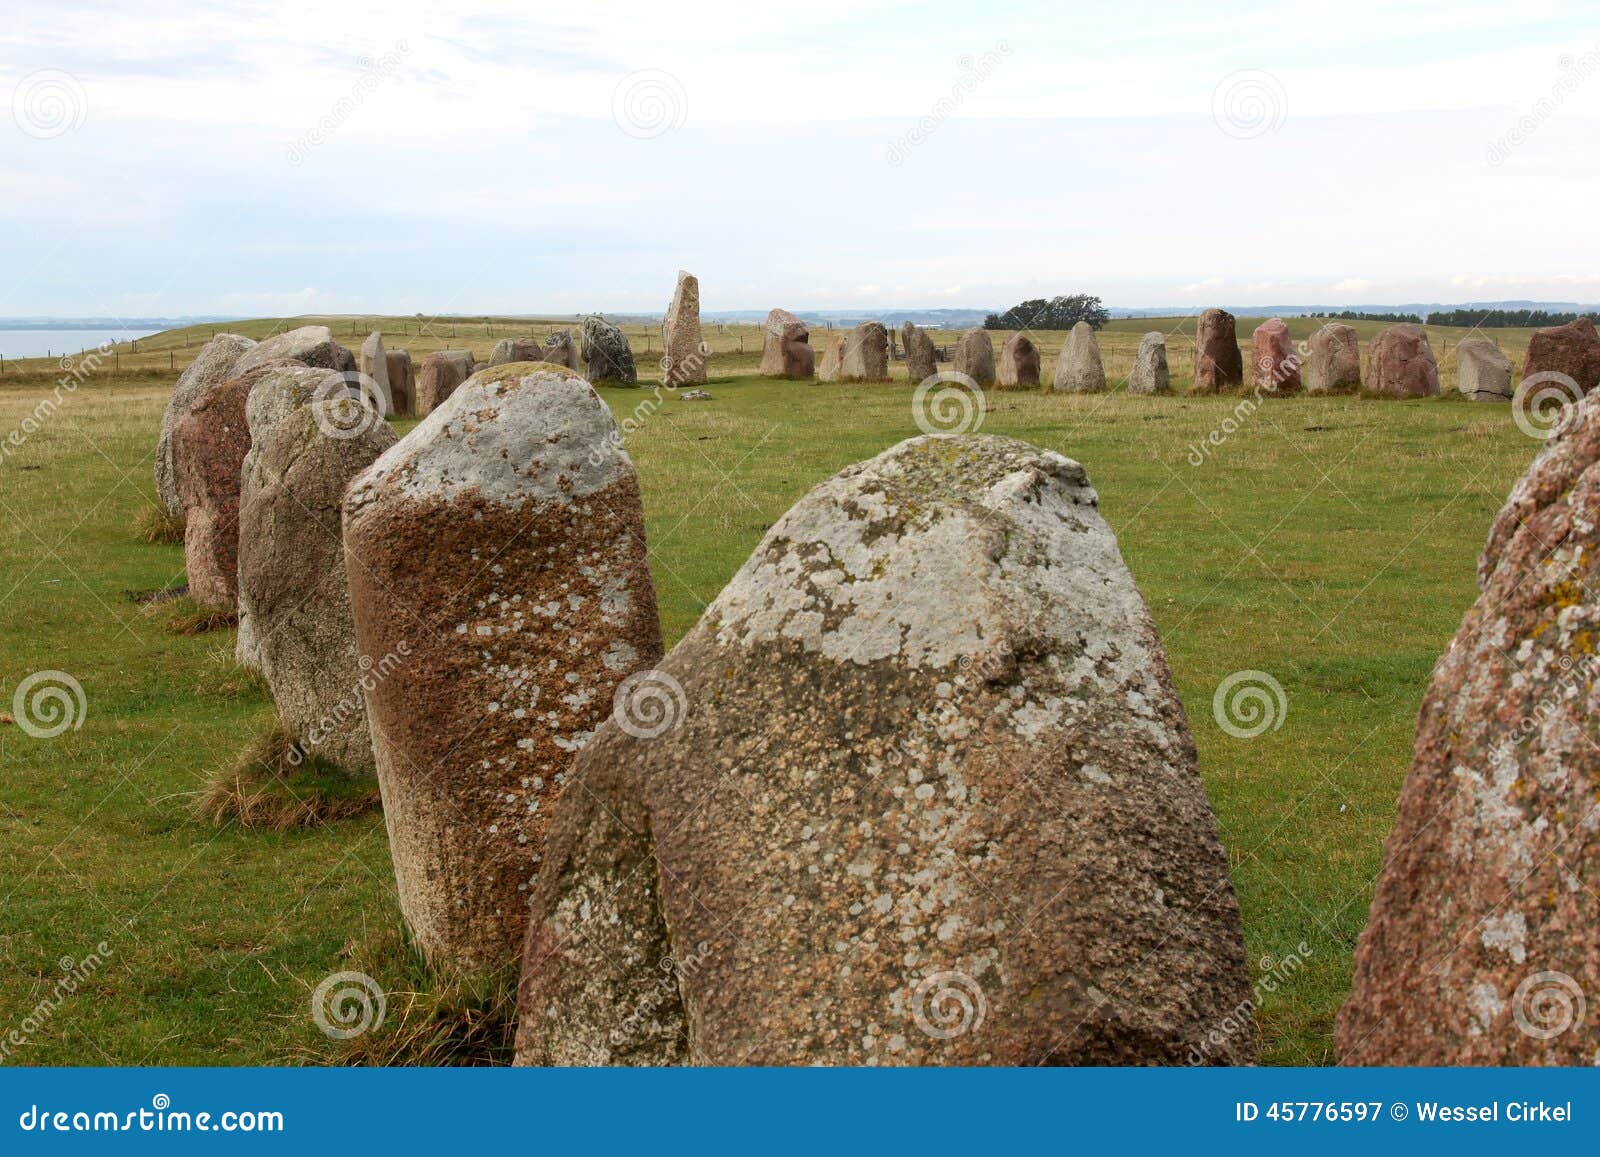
(1572, 350)
(1482, 946)
(862, 782)
(402, 385)
(1333, 360)
(560, 349)
(832, 363)
(1019, 363)
(1078, 368)
(921, 361)
(209, 443)
(439, 376)
(974, 356)
(786, 347)
(1274, 360)
(292, 575)
(1400, 364)
(1218, 365)
(515, 349)
(684, 353)
(607, 355)
(501, 542)
(1150, 374)
(1483, 371)
(215, 363)
(373, 363)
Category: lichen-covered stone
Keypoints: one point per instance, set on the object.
(974, 357)
(684, 353)
(1483, 372)
(921, 359)
(402, 383)
(832, 359)
(209, 443)
(864, 356)
(560, 349)
(514, 349)
(439, 376)
(1482, 946)
(1572, 350)
(1333, 360)
(216, 362)
(1400, 364)
(607, 355)
(502, 541)
(786, 347)
(1150, 374)
(927, 751)
(373, 363)
(292, 577)
(1079, 369)
(1019, 363)
(1218, 365)
(310, 345)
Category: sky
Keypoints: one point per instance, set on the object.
(168, 159)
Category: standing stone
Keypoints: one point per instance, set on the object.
(216, 362)
(1218, 365)
(930, 708)
(974, 356)
(441, 373)
(684, 354)
(209, 443)
(1484, 372)
(513, 349)
(374, 364)
(1333, 365)
(1274, 362)
(920, 357)
(1150, 373)
(832, 359)
(560, 350)
(1572, 349)
(1019, 362)
(1078, 369)
(1482, 946)
(786, 347)
(1400, 364)
(607, 355)
(502, 541)
(292, 574)
(402, 388)
(311, 345)
(865, 354)
(277, 390)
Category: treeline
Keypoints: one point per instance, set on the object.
(1359, 315)
(1056, 313)
(1502, 318)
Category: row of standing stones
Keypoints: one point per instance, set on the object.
(916, 789)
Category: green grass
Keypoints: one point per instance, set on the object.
(1330, 543)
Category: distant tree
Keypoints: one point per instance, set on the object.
(1360, 315)
(1501, 318)
(1056, 313)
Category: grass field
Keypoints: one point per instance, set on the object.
(1329, 543)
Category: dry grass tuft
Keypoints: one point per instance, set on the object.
(157, 524)
(450, 1026)
(266, 789)
(184, 616)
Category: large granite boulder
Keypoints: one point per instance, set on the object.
(402, 384)
(607, 355)
(209, 443)
(1333, 360)
(921, 359)
(1483, 371)
(917, 790)
(502, 542)
(216, 362)
(438, 378)
(373, 363)
(292, 575)
(1019, 363)
(1150, 374)
(559, 349)
(684, 353)
(515, 349)
(1274, 360)
(864, 357)
(1218, 365)
(832, 363)
(1400, 364)
(1079, 369)
(311, 345)
(1572, 349)
(786, 347)
(1482, 946)
(974, 357)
